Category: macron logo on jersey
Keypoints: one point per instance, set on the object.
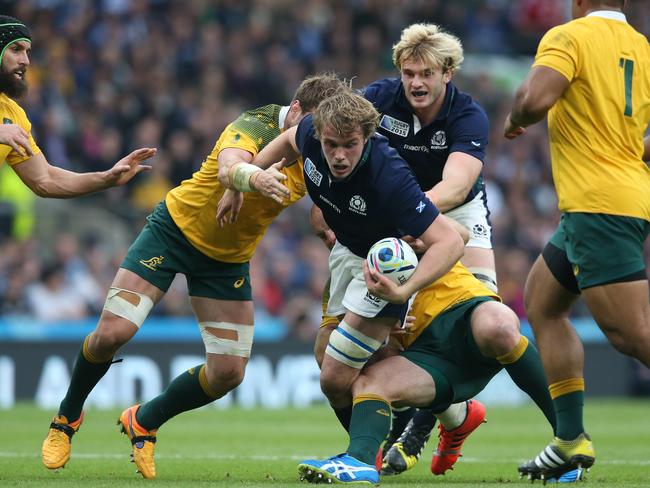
(395, 126)
(312, 173)
(420, 207)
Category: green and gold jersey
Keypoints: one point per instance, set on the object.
(193, 204)
(456, 286)
(12, 113)
(596, 128)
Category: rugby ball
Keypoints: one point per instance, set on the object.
(394, 258)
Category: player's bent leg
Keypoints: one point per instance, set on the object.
(550, 291)
(622, 311)
(349, 348)
(128, 303)
(394, 378)
(495, 329)
(228, 345)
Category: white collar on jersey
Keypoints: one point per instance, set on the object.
(283, 115)
(608, 14)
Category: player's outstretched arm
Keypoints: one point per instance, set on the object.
(534, 98)
(50, 181)
(15, 136)
(282, 149)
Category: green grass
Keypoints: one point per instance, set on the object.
(246, 448)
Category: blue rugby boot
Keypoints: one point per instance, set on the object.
(341, 468)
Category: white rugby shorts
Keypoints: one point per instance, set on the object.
(474, 216)
(348, 288)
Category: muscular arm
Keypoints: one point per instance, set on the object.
(536, 95)
(50, 181)
(459, 174)
(444, 248)
(227, 158)
(646, 149)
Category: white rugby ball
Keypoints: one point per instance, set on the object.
(394, 258)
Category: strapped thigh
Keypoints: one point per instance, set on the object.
(227, 338)
(120, 306)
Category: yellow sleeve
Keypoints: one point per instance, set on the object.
(558, 50)
(13, 158)
(233, 138)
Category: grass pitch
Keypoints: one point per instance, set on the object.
(250, 448)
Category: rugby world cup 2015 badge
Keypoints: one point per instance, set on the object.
(395, 126)
(312, 173)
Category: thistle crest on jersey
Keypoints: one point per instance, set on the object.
(394, 258)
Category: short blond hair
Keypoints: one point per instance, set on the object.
(430, 44)
(315, 88)
(346, 112)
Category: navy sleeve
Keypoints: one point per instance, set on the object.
(468, 132)
(406, 203)
(305, 133)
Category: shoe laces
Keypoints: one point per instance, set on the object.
(449, 441)
(414, 438)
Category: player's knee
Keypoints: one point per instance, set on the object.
(634, 342)
(365, 384)
(334, 385)
(495, 328)
(110, 335)
(226, 377)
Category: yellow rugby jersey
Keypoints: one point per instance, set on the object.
(457, 286)
(596, 128)
(193, 204)
(12, 113)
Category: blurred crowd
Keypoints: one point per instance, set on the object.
(108, 76)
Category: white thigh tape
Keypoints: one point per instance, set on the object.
(235, 347)
(127, 310)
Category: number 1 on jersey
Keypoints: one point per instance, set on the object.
(628, 71)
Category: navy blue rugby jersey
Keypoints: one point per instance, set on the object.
(461, 126)
(379, 199)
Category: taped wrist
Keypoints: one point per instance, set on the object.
(240, 176)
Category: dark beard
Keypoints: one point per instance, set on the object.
(11, 86)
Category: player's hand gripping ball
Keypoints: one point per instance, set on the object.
(394, 258)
